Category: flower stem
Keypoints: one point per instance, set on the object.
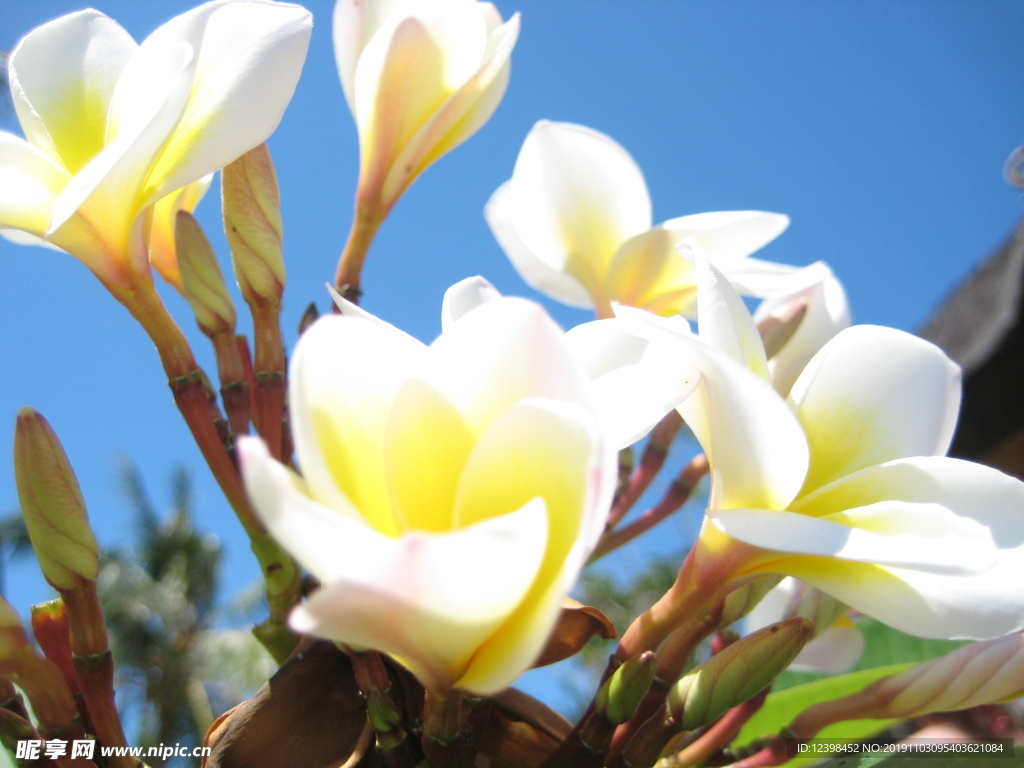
(445, 742)
(677, 495)
(365, 223)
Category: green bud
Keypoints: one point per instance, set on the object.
(622, 692)
(737, 673)
(52, 504)
(381, 712)
(742, 601)
(252, 223)
(201, 278)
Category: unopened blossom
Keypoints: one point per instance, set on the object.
(575, 220)
(420, 77)
(836, 645)
(112, 127)
(451, 493)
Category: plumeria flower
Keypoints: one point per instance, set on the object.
(112, 127)
(883, 521)
(575, 220)
(451, 493)
(420, 77)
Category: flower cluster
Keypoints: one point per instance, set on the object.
(445, 497)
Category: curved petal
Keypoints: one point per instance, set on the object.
(461, 115)
(501, 215)
(753, 442)
(406, 73)
(725, 321)
(62, 78)
(551, 450)
(728, 236)
(431, 600)
(500, 353)
(248, 56)
(836, 650)
(634, 383)
(30, 182)
(577, 195)
(874, 394)
(163, 254)
(827, 313)
(465, 296)
(105, 194)
(918, 603)
(647, 272)
(339, 411)
(355, 23)
(924, 537)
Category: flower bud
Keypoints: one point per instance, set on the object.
(622, 692)
(52, 504)
(737, 673)
(742, 601)
(252, 223)
(979, 673)
(778, 328)
(202, 280)
(13, 638)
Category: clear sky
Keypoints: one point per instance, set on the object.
(879, 127)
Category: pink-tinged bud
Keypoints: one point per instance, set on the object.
(202, 280)
(252, 223)
(736, 674)
(985, 672)
(979, 673)
(778, 328)
(52, 504)
(742, 601)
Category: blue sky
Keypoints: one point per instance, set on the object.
(880, 128)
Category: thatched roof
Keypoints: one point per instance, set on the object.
(981, 326)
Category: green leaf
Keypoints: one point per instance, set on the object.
(914, 761)
(883, 646)
(782, 707)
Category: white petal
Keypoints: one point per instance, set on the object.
(430, 600)
(577, 196)
(30, 183)
(836, 650)
(729, 236)
(501, 213)
(62, 77)
(553, 450)
(871, 395)
(756, 277)
(635, 383)
(306, 528)
(500, 353)
(828, 312)
(925, 537)
(725, 321)
(753, 442)
(919, 603)
(464, 296)
(970, 490)
(462, 113)
(248, 56)
(340, 408)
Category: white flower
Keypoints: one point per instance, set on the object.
(111, 127)
(421, 77)
(449, 494)
(576, 222)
